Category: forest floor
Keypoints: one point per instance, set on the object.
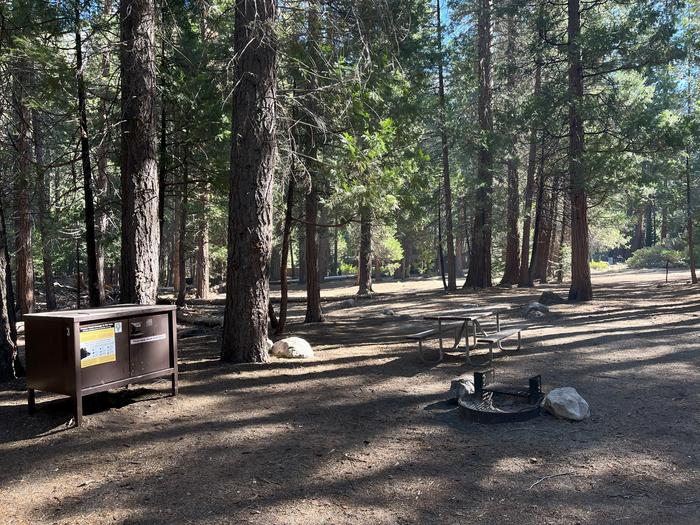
(361, 434)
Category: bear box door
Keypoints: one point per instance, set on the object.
(149, 344)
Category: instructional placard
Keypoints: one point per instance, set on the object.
(97, 344)
(147, 339)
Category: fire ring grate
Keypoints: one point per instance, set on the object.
(498, 403)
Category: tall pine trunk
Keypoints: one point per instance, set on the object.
(90, 242)
(102, 179)
(689, 204)
(25, 265)
(43, 215)
(446, 184)
(512, 259)
(524, 278)
(252, 170)
(581, 289)
(689, 216)
(311, 200)
(203, 247)
(479, 275)
(365, 258)
(301, 270)
(182, 231)
(8, 350)
(286, 250)
(11, 311)
(139, 177)
(313, 285)
(324, 245)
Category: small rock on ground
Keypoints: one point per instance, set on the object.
(534, 305)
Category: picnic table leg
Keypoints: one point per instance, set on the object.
(440, 337)
(462, 331)
(31, 401)
(467, 357)
(422, 355)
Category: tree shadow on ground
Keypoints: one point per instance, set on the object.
(363, 434)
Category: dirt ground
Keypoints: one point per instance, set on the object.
(361, 434)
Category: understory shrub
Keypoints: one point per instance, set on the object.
(657, 257)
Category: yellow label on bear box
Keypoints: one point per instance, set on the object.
(97, 345)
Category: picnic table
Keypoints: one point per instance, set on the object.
(464, 317)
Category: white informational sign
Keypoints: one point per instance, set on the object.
(147, 339)
(97, 345)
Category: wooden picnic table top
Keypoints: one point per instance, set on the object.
(467, 314)
(495, 307)
(459, 315)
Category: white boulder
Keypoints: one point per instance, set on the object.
(460, 386)
(269, 344)
(566, 403)
(292, 347)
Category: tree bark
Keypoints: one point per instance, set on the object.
(581, 289)
(562, 240)
(252, 171)
(637, 240)
(44, 214)
(540, 214)
(664, 211)
(336, 260)
(25, 265)
(102, 180)
(301, 270)
(541, 264)
(175, 247)
(313, 286)
(649, 233)
(512, 260)
(90, 242)
(324, 245)
(552, 230)
(139, 177)
(524, 278)
(11, 310)
(440, 266)
(446, 184)
(511, 272)
(182, 231)
(286, 245)
(479, 275)
(203, 248)
(459, 254)
(689, 211)
(365, 258)
(8, 349)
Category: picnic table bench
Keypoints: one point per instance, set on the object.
(498, 337)
(460, 319)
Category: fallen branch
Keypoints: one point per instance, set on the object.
(549, 477)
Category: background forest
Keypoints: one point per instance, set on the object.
(500, 141)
